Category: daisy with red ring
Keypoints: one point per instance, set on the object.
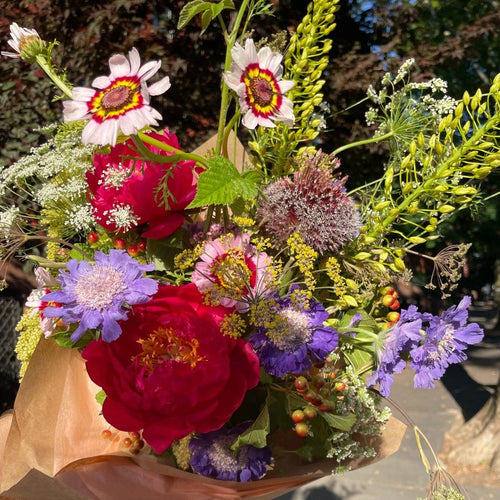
(232, 272)
(256, 78)
(119, 102)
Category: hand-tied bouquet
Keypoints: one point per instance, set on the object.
(225, 307)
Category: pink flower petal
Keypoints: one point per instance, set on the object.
(135, 61)
(119, 66)
(148, 70)
(101, 82)
(160, 86)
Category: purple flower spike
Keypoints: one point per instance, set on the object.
(212, 456)
(97, 296)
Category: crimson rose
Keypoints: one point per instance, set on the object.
(172, 372)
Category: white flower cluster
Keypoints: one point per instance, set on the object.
(8, 221)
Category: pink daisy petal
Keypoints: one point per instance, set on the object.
(119, 66)
(160, 86)
(101, 82)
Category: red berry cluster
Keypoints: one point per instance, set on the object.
(133, 442)
(133, 248)
(321, 392)
(390, 299)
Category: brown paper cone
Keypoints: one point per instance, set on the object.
(56, 427)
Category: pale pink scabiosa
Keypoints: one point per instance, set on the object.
(256, 78)
(232, 272)
(97, 296)
(119, 102)
(26, 43)
(122, 189)
(313, 204)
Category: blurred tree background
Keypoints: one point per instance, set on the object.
(457, 41)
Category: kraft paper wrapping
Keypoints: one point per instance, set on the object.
(52, 442)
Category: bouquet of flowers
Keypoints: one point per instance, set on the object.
(232, 307)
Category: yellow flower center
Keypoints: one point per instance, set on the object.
(164, 344)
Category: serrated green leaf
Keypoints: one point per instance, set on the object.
(190, 10)
(209, 9)
(222, 184)
(256, 434)
(341, 422)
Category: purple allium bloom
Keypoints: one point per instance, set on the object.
(296, 338)
(212, 456)
(399, 339)
(98, 296)
(314, 204)
(447, 337)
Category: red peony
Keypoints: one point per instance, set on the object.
(172, 372)
(123, 191)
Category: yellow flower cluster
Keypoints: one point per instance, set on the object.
(233, 325)
(30, 333)
(333, 270)
(306, 257)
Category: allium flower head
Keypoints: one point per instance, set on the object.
(97, 296)
(26, 43)
(232, 272)
(212, 456)
(292, 335)
(118, 102)
(314, 205)
(447, 337)
(256, 78)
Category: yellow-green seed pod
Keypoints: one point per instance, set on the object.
(351, 284)
(420, 140)
(459, 110)
(433, 221)
(407, 161)
(383, 256)
(463, 190)
(369, 240)
(350, 301)
(445, 173)
(466, 126)
(389, 175)
(381, 205)
(474, 103)
(466, 98)
(462, 200)
(407, 188)
(399, 264)
(481, 109)
(362, 256)
(441, 188)
(483, 172)
(430, 228)
(394, 212)
(417, 240)
(446, 209)
(413, 148)
(439, 148)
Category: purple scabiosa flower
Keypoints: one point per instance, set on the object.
(291, 335)
(447, 337)
(97, 296)
(314, 204)
(212, 456)
(396, 341)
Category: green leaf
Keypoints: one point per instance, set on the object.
(222, 184)
(210, 11)
(341, 422)
(256, 434)
(100, 397)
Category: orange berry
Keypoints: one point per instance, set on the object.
(301, 429)
(106, 434)
(298, 416)
(387, 300)
(395, 305)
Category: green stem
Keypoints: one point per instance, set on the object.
(44, 64)
(171, 149)
(224, 103)
(365, 141)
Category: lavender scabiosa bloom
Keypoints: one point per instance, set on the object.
(291, 335)
(97, 296)
(314, 204)
(396, 341)
(447, 337)
(212, 456)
